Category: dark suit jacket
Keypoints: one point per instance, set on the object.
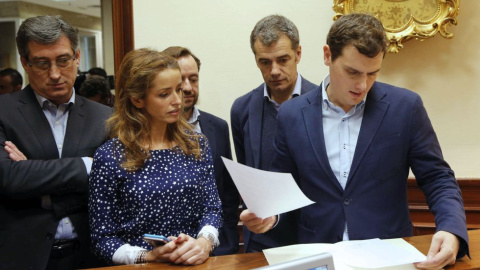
(246, 120)
(217, 133)
(27, 230)
(395, 135)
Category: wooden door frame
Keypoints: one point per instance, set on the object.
(123, 38)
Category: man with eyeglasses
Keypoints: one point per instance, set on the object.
(48, 135)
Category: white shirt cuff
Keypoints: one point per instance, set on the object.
(126, 254)
(209, 229)
(276, 223)
(88, 164)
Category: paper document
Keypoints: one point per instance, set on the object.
(358, 254)
(266, 193)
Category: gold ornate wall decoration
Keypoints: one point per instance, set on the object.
(405, 19)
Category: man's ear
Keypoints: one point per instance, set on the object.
(298, 54)
(137, 102)
(24, 63)
(327, 55)
(77, 58)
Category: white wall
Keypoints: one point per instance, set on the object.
(107, 38)
(444, 72)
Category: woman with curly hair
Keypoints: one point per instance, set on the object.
(155, 174)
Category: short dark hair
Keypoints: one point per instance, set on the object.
(44, 30)
(178, 51)
(363, 31)
(271, 28)
(96, 85)
(97, 71)
(16, 77)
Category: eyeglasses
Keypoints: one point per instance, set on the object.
(63, 62)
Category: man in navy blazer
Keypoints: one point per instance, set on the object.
(49, 136)
(217, 132)
(275, 42)
(350, 144)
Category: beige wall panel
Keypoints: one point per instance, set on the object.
(446, 73)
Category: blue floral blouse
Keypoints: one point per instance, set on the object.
(171, 194)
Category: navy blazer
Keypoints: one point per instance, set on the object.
(218, 135)
(27, 230)
(246, 120)
(395, 135)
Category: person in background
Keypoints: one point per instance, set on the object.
(350, 145)
(97, 88)
(48, 136)
(83, 76)
(10, 81)
(97, 71)
(155, 176)
(275, 43)
(217, 132)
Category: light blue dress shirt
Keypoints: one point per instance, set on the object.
(194, 121)
(340, 130)
(57, 117)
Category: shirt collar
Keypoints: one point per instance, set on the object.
(297, 90)
(195, 115)
(327, 104)
(41, 100)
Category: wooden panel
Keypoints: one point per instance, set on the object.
(423, 220)
(122, 13)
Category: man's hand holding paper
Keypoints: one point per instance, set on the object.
(443, 251)
(256, 224)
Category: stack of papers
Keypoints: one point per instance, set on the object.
(378, 254)
(270, 193)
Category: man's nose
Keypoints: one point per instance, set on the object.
(54, 72)
(275, 69)
(362, 83)
(186, 86)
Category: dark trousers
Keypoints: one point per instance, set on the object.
(69, 255)
(254, 246)
(70, 262)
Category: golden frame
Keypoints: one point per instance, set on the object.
(405, 19)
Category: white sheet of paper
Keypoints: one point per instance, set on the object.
(266, 193)
(377, 254)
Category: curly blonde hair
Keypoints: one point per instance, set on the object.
(129, 123)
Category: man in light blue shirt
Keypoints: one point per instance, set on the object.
(49, 136)
(350, 145)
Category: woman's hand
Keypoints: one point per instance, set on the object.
(190, 251)
(162, 253)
